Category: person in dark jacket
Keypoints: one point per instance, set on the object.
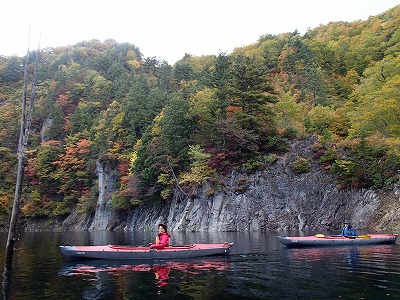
(162, 239)
(348, 230)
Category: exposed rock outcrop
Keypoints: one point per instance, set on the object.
(276, 198)
(104, 214)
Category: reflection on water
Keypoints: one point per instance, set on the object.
(160, 268)
(79, 267)
(161, 274)
(259, 267)
(349, 254)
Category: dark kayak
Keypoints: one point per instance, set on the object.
(141, 252)
(326, 240)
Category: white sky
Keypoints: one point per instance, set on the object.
(167, 29)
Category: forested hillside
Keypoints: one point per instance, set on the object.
(164, 126)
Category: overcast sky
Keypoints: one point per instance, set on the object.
(167, 29)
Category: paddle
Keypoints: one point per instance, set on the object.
(365, 236)
(320, 235)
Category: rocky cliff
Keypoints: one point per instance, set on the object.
(276, 198)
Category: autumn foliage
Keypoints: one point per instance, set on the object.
(158, 128)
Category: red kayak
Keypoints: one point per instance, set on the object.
(327, 240)
(140, 252)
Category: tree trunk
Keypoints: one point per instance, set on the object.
(26, 119)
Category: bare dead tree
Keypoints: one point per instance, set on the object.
(176, 179)
(26, 120)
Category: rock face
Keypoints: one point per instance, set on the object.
(104, 212)
(276, 198)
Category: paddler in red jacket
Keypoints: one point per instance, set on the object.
(162, 239)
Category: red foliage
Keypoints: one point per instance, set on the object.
(67, 105)
(62, 89)
(30, 171)
(231, 110)
(72, 167)
(130, 186)
(123, 168)
(219, 160)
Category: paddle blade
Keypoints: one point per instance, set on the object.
(365, 236)
(319, 235)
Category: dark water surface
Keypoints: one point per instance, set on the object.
(259, 267)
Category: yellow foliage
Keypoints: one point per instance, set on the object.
(133, 158)
(156, 129)
(200, 171)
(165, 179)
(5, 200)
(134, 64)
(323, 118)
(202, 105)
(352, 77)
(198, 174)
(377, 99)
(289, 113)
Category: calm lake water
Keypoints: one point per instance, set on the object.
(259, 267)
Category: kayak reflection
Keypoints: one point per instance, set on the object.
(352, 254)
(161, 269)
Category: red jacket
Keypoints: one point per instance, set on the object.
(164, 239)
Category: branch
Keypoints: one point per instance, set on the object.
(176, 179)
